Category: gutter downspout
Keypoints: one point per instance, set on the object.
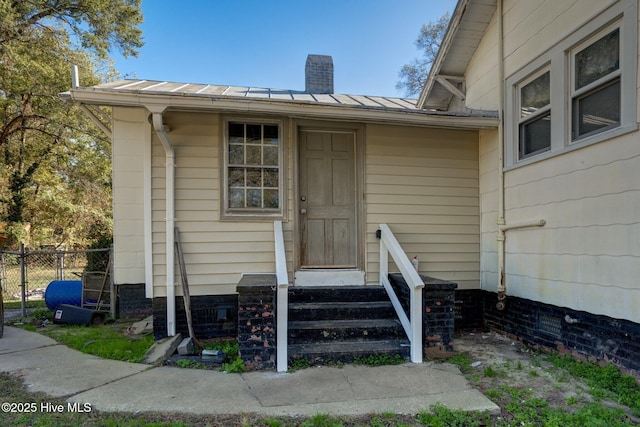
(501, 220)
(162, 130)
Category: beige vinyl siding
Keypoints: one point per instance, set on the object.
(587, 257)
(423, 183)
(532, 27)
(130, 130)
(216, 252)
(489, 210)
(482, 77)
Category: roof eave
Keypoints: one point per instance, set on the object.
(155, 102)
(443, 51)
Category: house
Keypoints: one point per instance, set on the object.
(559, 179)
(514, 175)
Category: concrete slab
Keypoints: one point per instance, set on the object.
(118, 386)
(162, 349)
(174, 389)
(60, 371)
(357, 390)
(16, 340)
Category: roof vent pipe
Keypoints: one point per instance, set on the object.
(318, 74)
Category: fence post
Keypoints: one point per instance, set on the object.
(23, 279)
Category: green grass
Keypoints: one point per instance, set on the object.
(17, 305)
(605, 381)
(440, 416)
(103, 341)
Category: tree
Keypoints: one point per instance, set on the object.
(55, 181)
(412, 77)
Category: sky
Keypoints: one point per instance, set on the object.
(265, 43)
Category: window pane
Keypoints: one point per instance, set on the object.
(236, 177)
(254, 133)
(270, 134)
(236, 132)
(271, 199)
(598, 60)
(236, 154)
(254, 177)
(254, 155)
(270, 156)
(534, 95)
(271, 178)
(236, 198)
(535, 136)
(597, 110)
(254, 198)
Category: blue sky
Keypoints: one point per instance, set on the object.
(265, 43)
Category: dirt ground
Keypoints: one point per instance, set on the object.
(499, 362)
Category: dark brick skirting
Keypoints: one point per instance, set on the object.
(213, 316)
(584, 335)
(132, 301)
(438, 308)
(257, 321)
(469, 309)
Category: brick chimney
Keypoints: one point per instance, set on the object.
(318, 74)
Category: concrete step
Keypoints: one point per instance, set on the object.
(337, 294)
(344, 330)
(300, 311)
(346, 351)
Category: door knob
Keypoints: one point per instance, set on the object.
(303, 211)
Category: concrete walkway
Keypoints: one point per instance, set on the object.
(109, 385)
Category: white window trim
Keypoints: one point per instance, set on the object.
(252, 214)
(533, 116)
(623, 14)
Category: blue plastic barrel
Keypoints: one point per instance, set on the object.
(63, 292)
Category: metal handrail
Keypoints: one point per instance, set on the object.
(413, 325)
(282, 298)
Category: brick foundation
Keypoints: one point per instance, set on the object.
(438, 308)
(257, 321)
(214, 316)
(469, 310)
(132, 301)
(584, 335)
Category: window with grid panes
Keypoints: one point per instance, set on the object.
(253, 171)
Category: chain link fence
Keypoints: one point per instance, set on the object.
(25, 274)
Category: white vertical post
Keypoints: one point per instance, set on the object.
(282, 299)
(384, 262)
(416, 324)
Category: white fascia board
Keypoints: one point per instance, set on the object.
(293, 109)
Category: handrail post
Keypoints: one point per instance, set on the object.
(282, 299)
(413, 326)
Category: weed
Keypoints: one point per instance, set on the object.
(491, 372)
(297, 364)
(533, 373)
(322, 420)
(494, 394)
(193, 364)
(441, 416)
(379, 360)
(272, 422)
(42, 314)
(519, 366)
(572, 400)
(234, 367)
(605, 381)
(462, 361)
